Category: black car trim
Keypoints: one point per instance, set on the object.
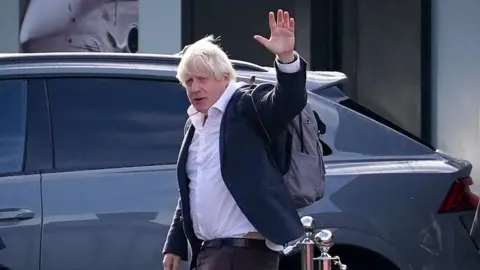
(50, 125)
(37, 153)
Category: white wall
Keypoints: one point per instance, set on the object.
(160, 26)
(456, 79)
(9, 26)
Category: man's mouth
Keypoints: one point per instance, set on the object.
(198, 99)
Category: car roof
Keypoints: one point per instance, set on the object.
(54, 63)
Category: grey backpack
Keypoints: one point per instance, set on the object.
(305, 177)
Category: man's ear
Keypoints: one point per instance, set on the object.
(227, 76)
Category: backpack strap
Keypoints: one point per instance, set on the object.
(252, 86)
(300, 126)
(260, 120)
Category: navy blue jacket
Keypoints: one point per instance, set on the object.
(247, 168)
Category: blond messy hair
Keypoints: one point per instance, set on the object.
(205, 54)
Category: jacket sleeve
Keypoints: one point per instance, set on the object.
(278, 106)
(176, 242)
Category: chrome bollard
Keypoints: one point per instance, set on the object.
(306, 245)
(324, 241)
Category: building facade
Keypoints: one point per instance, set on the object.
(416, 63)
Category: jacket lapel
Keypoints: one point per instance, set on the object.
(182, 158)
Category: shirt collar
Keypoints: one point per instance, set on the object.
(222, 102)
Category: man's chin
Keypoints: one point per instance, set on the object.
(202, 108)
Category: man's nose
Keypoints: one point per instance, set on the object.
(195, 87)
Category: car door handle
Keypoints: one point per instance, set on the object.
(7, 214)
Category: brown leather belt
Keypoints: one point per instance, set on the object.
(235, 242)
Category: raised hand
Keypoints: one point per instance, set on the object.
(282, 36)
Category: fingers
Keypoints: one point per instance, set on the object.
(291, 25)
(167, 265)
(271, 21)
(283, 20)
(176, 263)
(171, 262)
(167, 262)
(286, 19)
(280, 18)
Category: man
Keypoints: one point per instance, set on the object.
(235, 210)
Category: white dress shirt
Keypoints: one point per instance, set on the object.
(214, 212)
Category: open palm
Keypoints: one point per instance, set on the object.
(282, 34)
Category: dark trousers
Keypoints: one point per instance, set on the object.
(237, 258)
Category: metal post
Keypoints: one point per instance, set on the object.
(324, 241)
(306, 245)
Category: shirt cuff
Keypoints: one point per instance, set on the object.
(290, 67)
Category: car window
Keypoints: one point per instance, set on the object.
(13, 102)
(353, 134)
(113, 122)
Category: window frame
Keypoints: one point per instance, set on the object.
(40, 150)
(103, 76)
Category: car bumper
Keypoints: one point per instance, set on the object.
(447, 244)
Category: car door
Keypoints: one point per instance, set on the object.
(110, 199)
(21, 132)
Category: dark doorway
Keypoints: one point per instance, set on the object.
(384, 50)
(236, 22)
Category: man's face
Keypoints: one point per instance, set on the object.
(203, 89)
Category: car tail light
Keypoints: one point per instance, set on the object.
(460, 197)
